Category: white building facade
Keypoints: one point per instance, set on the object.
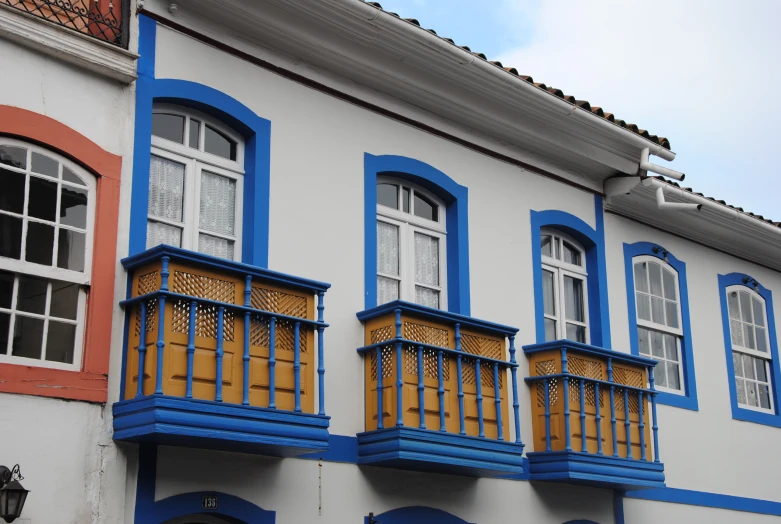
(368, 276)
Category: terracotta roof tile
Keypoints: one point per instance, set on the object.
(583, 104)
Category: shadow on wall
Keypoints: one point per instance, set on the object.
(399, 487)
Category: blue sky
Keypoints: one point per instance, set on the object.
(704, 73)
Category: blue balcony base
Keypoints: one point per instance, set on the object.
(595, 470)
(177, 421)
(435, 451)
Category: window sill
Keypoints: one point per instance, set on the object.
(54, 383)
(66, 44)
(757, 417)
(677, 401)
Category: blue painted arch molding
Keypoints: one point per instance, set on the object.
(455, 197)
(416, 515)
(593, 241)
(689, 399)
(233, 509)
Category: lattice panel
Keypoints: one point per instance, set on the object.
(201, 286)
(387, 362)
(585, 368)
(546, 367)
(628, 377)
(618, 401)
(151, 317)
(425, 334)
(482, 346)
(284, 333)
(205, 321)
(589, 390)
(382, 334)
(278, 302)
(147, 283)
(430, 363)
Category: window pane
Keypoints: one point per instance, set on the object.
(761, 340)
(71, 250)
(425, 208)
(748, 366)
(70, 176)
(655, 278)
(761, 371)
(195, 126)
(65, 300)
(764, 397)
(550, 330)
(387, 248)
(573, 299)
(759, 313)
(546, 244)
(5, 322)
(657, 344)
(426, 259)
(734, 309)
(641, 277)
(660, 374)
(40, 243)
(751, 394)
(672, 313)
(548, 293)
(669, 285)
(44, 165)
(218, 204)
(741, 385)
(219, 144)
(215, 246)
(736, 329)
(6, 291)
(388, 195)
(576, 333)
(673, 378)
(405, 199)
(571, 254)
(643, 306)
(31, 296)
(387, 290)
(60, 341)
(745, 306)
(170, 127)
(73, 207)
(13, 156)
(657, 310)
(43, 199)
(166, 188)
(28, 337)
(158, 233)
(426, 297)
(737, 363)
(671, 347)
(748, 336)
(644, 341)
(12, 195)
(10, 237)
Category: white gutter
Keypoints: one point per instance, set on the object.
(702, 202)
(646, 166)
(423, 37)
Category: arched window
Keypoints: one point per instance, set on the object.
(751, 357)
(411, 251)
(659, 326)
(196, 183)
(564, 286)
(47, 209)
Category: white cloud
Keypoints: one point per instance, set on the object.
(703, 73)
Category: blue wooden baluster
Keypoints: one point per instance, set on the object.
(297, 365)
(641, 426)
(247, 322)
(399, 370)
(421, 390)
(516, 404)
(583, 444)
(498, 402)
(441, 391)
(161, 325)
(627, 424)
(598, 417)
(547, 414)
(612, 405)
(219, 354)
(191, 349)
(320, 354)
(654, 425)
(380, 387)
(462, 426)
(479, 398)
(272, 362)
(141, 351)
(565, 372)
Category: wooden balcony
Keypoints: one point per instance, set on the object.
(437, 392)
(594, 417)
(221, 355)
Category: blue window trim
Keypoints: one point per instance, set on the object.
(593, 241)
(416, 515)
(739, 413)
(255, 130)
(455, 197)
(689, 399)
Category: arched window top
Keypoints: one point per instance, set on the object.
(409, 202)
(560, 248)
(748, 320)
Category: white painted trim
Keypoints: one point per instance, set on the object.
(66, 44)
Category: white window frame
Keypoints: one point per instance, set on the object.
(561, 269)
(767, 358)
(196, 162)
(22, 267)
(409, 224)
(663, 328)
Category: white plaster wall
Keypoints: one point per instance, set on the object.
(348, 493)
(638, 511)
